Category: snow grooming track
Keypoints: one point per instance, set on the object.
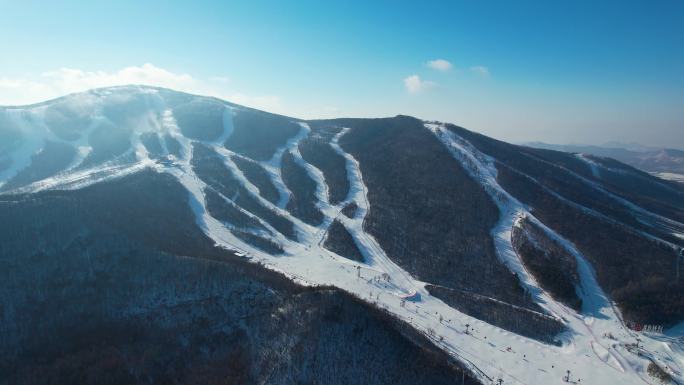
(600, 317)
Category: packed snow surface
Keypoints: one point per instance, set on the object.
(671, 176)
(598, 349)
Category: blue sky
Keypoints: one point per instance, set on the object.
(556, 71)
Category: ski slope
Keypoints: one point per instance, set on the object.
(596, 350)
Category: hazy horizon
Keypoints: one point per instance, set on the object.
(556, 73)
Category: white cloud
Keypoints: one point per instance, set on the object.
(480, 70)
(75, 80)
(440, 65)
(414, 84)
(51, 84)
(23, 91)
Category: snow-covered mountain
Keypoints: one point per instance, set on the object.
(474, 260)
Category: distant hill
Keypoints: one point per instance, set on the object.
(667, 163)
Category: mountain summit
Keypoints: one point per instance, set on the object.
(267, 249)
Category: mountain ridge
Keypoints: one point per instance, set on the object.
(654, 160)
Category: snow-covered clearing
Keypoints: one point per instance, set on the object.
(671, 176)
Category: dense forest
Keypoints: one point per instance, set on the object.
(549, 262)
(107, 297)
(338, 240)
